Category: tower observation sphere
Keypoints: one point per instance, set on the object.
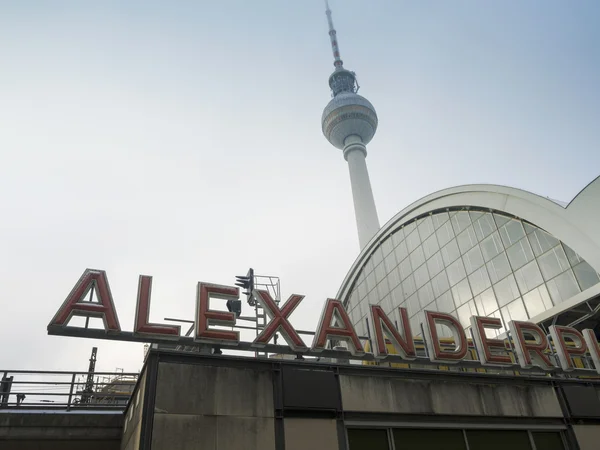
(349, 122)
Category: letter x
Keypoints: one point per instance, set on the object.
(279, 320)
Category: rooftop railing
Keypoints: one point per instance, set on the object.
(58, 390)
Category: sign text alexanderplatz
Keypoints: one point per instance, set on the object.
(531, 345)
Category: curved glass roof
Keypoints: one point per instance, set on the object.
(468, 262)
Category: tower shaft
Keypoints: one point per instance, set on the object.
(365, 211)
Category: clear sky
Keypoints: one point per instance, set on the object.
(182, 140)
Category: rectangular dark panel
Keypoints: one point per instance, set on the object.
(409, 439)
(548, 440)
(582, 401)
(368, 439)
(498, 440)
(310, 389)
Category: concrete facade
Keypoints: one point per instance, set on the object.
(217, 402)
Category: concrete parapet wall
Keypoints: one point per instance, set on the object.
(411, 396)
(60, 430)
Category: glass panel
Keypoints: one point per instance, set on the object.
(383, 289)
(514, 311)
(369, 266)
(421, 276)
(450, 252)
(425, 295)
(387, 247)
(417, 257)
(362, 290)
(563, 287)
(506, 290)
(440, 284)
(401, 251)
(541, 242)
(475, 215)
(574, 258)
(413, 241)
(479, 280)
(473, 259)
(460, 221)
(445, 234)
(394, 278)
(529, 228)
(435, 264)
(519, 254)
(425, 227)
(500, 219)
(371, 283)
(445, 303)
(537, 301)
(547, 440)
(586, 275)
(484, 226)
(410, 228)
(397, 296)
(411, 439)
(456, 272)
(491, 246)
(498, 268)
(486, 302)
(377, 256)
(408, 285)
(398, 237)
(373, 298)
(430, 246)
(498, 440)
(405, 269)
(553, 262)
(465, 312)
(512, 232)
(367, 439)
(461, 293)
(529, 277)
(379, 273)
(390, 262)
(439, 219)
(466, 240)
(412, 305)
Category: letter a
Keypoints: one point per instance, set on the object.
(76, 304)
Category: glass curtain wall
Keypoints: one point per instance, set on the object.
(468, 262)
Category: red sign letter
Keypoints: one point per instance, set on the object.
(435, 351)
(592, 345)
(206, 317)
(142, 323)
(404, 345)
(327, 331)
(279, 320)
(524, 349)
(484, 345)
(76, 304)
(563, 351)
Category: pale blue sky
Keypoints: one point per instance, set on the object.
(132, 133)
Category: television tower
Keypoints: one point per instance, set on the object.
(349, 123)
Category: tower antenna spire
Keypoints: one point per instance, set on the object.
(349, 123)
(337, 60)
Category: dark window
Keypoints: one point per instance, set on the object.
(409, 439)
(498, 440)
(365, 439)
(547, 440)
